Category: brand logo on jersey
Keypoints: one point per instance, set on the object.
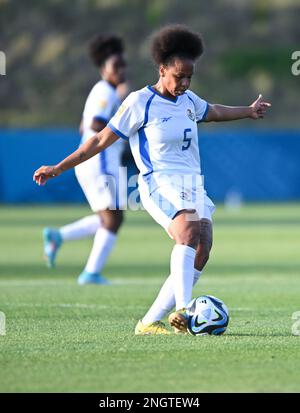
(165, 119)
(191, 115)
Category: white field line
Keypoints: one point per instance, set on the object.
(126, 281)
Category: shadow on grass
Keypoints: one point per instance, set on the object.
(145, 221)
(144, 270)
(38, 271)
(249, 268)
(20, 270)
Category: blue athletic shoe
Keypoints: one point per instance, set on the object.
(52, 243)
(91, 278)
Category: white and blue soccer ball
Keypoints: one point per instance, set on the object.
(207, 315)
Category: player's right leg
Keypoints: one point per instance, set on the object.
(104, 241)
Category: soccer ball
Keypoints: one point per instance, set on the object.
(207, 315)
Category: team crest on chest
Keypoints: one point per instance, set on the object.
(191, 115)
(185, 196)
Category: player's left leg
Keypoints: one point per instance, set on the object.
(165, 300)
(186, 233)
(177, 319)
(205, 244)
(104, 241)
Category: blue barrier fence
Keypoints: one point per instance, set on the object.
(259, 165)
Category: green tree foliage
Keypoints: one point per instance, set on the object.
(248, 51)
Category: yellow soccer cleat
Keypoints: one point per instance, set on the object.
(152, 328)
(178, 320)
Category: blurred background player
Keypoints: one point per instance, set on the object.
(99, 176)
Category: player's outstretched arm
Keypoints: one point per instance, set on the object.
(86, 151)
(219, 113)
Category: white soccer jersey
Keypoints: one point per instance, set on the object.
(93, 175)
(162, 132)
(101, 104)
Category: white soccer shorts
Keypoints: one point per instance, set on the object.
(102, 190)
(165, 201)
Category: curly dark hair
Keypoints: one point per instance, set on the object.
(102, 47)
(175, 40)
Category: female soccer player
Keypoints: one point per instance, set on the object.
(99, 176)
(160, 123)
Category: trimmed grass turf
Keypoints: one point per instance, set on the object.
(64, 338)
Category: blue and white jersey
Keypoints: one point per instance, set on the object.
(162, 133)
(99, 176)
(101, 104)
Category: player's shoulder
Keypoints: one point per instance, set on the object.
(192, 95)
(139, 97)
(104, 89)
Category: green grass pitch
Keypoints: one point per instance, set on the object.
(64, 338)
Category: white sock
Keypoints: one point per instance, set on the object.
(82, 228)
(104, 242)
(197, 275)
(165, 300)
(182, 272)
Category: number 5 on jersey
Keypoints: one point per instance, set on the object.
(186, 139)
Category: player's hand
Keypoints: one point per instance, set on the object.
(44, 173)
(259, 108)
